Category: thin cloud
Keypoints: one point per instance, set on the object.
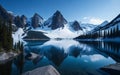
(85, 18)
(92, 20)
(95, 21)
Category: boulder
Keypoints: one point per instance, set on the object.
(5, 57)
(112, 69)
(46, 70)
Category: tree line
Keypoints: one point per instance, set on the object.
(108, 33)
(6, 40)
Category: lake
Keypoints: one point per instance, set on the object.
(69, 57)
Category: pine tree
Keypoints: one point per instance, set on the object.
(10, 39)
(111, 33)
(117, 31)
(6, 41)
(4, 37)
(104, 34)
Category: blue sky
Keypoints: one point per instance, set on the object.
(90, 11)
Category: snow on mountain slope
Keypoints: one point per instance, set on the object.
(87, 27)
(60, 32)
(17, 36)
(66, 32)
(75, 26)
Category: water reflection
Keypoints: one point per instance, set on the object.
(69, 57)
(54, 54)
(19, 63)
(111, 49)
(5, 69)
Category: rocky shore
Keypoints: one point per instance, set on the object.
(7, 56)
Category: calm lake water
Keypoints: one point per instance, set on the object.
(69, 57)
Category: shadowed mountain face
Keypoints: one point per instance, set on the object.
(20, 21)
(57, 21)
(76, 26)
(36, 20)
(24, 20)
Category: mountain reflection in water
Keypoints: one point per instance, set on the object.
(69, 57)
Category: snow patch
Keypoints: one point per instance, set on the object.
(60, 32)
(17, 36)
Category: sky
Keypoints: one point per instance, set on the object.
(85, 11)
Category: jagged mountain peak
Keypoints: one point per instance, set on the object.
(36, 20)
(57, 13)
(56, 21)
(23, 16)
(75, 22)
(36, 15)
(59, 17)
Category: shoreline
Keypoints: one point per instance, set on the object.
(100, 39)
(7, 56)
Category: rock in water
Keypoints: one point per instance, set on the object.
(46, 70)
(113, 69)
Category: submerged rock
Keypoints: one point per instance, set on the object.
(34, 57)
(113, 69)
(46, 70)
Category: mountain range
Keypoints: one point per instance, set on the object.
(54, 27)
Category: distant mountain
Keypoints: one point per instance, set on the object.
(114, 22)
(36, 20)
(75, 26)
(107, 25)
(84, 26)
(23, 20)
(87, 27)
(99, 27)
(104, 31)
(20, 21)
(56, 21)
